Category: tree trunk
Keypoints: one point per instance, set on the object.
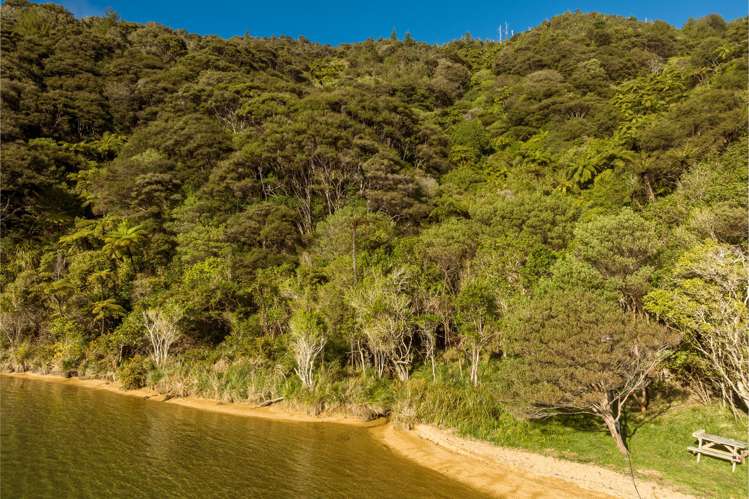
(643, 399)
(361, 356)
(649, 189)
(446, 331)
(475, 358)
(379, 361)
(401, 371)
(269, 402)
(352, 353)
(353, 251)
(613, 428)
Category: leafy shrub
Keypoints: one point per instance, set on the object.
(133, 374)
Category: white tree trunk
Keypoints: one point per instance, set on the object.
(475, 360)
(162, 331)
(306, 350)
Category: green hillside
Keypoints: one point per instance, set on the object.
(542, 243)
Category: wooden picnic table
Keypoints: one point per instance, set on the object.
(729, 449)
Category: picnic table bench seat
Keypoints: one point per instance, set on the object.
(729, 449)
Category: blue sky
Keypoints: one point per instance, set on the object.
(339, 21)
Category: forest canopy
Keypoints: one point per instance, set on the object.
(255, 218)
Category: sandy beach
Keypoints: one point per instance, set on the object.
(506, 472)
(500, 472)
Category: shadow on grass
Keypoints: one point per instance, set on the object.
(633, 421)
(579, 422)
(668, 397)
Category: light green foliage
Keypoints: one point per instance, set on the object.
(328, 72)
(469, 142)
(710, 201)
(652, 93)
(350, 231)
(476, 313)
(384, 315)
(201, 242)
(706, 299)
(106, 309)
(133, 373)
(68, 349)
(307, 334)
(596, 156)
(535, 154)
(443, 250)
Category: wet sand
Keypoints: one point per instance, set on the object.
(489, 476)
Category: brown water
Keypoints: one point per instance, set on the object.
(59, 440)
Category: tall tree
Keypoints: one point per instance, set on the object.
(307, 334)
(573, 352)
(383, 311)
(476, 312)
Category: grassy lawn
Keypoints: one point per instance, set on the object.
(658, 443)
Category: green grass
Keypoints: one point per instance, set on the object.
(658, 446)
(658, 440)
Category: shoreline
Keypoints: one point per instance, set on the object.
(497, 471)
(277, 412)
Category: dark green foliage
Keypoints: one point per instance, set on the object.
(573, 352)
(143, 166)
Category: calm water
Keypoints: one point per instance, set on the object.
(60, 440)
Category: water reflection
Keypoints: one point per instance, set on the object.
(60, 440)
